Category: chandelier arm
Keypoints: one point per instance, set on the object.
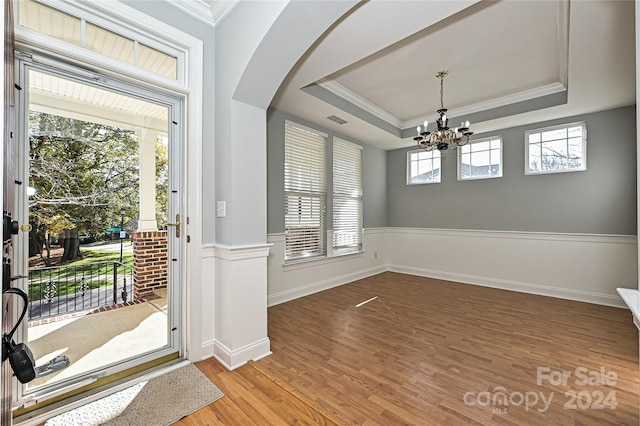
(443, 137)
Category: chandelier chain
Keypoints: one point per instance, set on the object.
(442, 91)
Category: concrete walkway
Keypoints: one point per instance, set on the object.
(97, 340)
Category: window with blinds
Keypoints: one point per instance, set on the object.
(347, 197)
(305, 193)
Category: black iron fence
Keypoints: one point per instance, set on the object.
(64, 290)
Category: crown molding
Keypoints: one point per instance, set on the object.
(357, 100)
(211, 12)
(360, 102)
(513, 98)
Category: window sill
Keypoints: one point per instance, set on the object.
(320, 261)
(632, 299)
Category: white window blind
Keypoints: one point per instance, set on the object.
(347, 197)
(305, 193)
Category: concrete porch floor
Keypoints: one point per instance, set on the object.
(99, 339)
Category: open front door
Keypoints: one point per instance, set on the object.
(103, 201)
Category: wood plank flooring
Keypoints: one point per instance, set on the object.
(430, 352)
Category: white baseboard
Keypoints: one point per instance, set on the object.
(581, 267)
(207, 349)
(522, 287)
(233, 359)
(306, 290)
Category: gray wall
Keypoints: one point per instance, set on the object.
(600, 200)
(373, 175)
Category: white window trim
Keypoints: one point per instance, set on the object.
(408, 169)
(459, 159)
(529, 172)
(126, 21)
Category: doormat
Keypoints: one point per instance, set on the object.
(162, 400)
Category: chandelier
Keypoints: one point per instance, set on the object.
(444, 137)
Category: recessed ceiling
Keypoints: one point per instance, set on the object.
(481, 47)
(510, 62)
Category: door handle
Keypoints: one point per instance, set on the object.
(177, 225)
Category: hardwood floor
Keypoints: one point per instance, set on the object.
(430, 352)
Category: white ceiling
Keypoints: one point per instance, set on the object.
(376, 68)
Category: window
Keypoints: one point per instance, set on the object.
(480, 159)
(556, 149)
(347, 197)
(80, 32)
(423, 167)
(304, 186)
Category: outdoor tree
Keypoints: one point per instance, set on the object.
(83, 173)
(162, 183)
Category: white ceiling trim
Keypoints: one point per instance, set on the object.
(221, 9)
(563, 41)
(513, 98)
(211, 12)
(360, 102)
(357, 100)
(198, 9)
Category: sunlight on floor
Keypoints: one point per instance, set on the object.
(99, 339)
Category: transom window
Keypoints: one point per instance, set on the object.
(556, 149)
(480, 159)
(65, 27)
(423, 167)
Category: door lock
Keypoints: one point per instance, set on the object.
(9, 228)
(177, 225)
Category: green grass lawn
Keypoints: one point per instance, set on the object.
(91, 256)
(94, 270)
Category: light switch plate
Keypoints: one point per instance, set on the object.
(221, 209)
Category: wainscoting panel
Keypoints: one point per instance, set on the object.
(240, 303)
(208, 300)
(579, 267)
(585, 268)
(291, 281)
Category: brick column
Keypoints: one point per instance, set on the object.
(150, 263)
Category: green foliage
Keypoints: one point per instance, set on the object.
(83, 173)
(162, 182)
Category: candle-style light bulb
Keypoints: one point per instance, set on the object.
(418, 129)
(426, 123)
(466, 123)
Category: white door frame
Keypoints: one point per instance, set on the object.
(174, 321)
(190, 86)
